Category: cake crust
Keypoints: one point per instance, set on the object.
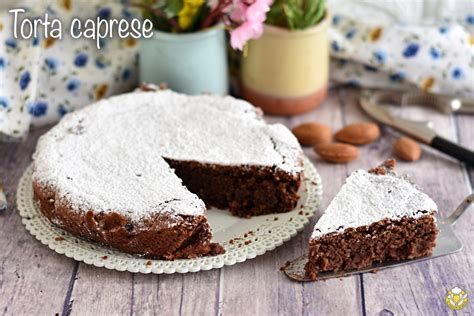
(386, 240)
(157, 237)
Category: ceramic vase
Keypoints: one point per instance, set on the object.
(190, 63)
(286, 72)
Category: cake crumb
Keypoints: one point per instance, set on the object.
(285, 265)
(247, 242)
(59, 238)
(275, 219)
(104, 257)
(300, 213)
(387, 166)
(148, 263)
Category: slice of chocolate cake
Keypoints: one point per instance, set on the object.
(376, 216)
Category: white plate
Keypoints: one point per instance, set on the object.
(242, 238)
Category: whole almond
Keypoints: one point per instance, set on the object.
(337, 152)
(312, 134)
(407, 149)
(358, 133)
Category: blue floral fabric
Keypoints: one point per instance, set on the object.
(389, 45)
(43, 79)
(381, 44)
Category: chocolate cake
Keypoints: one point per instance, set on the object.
(376, 216)
(136, 171)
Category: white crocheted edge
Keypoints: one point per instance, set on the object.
(267, 233)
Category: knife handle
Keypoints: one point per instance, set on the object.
(453, 150)
(466, 107)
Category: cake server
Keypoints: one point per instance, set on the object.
(423, 131)
(447, 243)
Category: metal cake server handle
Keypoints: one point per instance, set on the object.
(422, 131)
(453, 218)
(446, 243)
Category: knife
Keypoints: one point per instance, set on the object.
(3, 199)
(421, 130)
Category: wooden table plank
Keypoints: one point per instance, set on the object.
(260, 278)
(101, 291)
(319, 297)
(185, 294)
(33, 279)
(420, 288)
(144, 293)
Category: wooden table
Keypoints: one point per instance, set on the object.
(36, 280)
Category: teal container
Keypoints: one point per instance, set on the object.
(190, 63)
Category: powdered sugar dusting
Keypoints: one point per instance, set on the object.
(109, 156)
(366, 198)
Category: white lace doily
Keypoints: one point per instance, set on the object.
(242, 238)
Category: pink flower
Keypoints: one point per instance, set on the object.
(250, 17)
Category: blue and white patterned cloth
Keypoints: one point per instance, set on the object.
(41, 80)
(404, 44)
(385, 44)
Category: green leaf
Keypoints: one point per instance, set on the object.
(276, 16)
(172, 8)
(321, 11)
(314, 13)
(294, 13)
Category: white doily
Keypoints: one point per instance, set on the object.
(242, 238)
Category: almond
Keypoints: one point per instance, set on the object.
(358, 133)
(337, 152)
(312, 134)
(407, 149)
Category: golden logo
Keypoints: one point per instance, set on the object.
(456, 298)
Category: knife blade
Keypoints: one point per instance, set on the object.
(444, 103)
(3, 199)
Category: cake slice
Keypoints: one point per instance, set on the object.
(376, 216)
